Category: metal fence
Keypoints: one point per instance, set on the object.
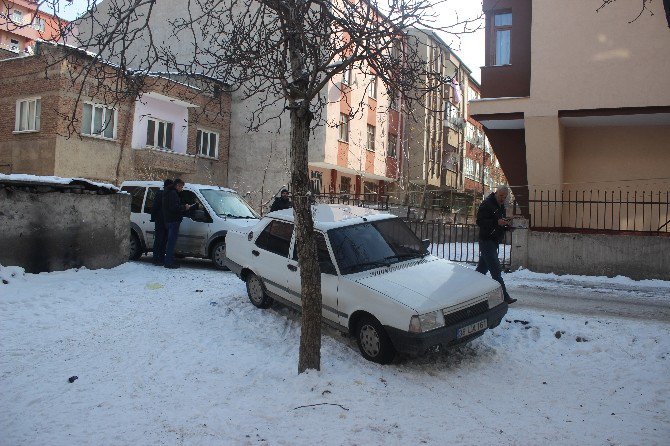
(596, 211)
(369, 200)
(458, 242)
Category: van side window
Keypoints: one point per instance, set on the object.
(149, 202)
(276, 237)
(188, 197)
(137, 196)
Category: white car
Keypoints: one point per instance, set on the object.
(203, 231)
(378, 281)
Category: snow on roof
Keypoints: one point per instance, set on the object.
(328, 216)
(26, 179)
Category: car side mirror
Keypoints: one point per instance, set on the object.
(425, 244)
(199, 215)
(327, 268)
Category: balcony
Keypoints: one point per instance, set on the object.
(152, 159)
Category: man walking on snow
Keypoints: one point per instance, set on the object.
(492, 226)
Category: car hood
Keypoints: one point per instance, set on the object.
(242, 222)
(429, 284)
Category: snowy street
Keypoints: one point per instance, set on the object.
(180, 357)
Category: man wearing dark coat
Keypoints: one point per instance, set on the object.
(281, 202)
(173, 211)
(492, 226)
(160, 232)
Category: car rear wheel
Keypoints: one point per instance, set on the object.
(219, 255)
(373, 342)
(256, 291)
(135, 247)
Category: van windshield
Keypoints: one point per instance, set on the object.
(371, 245)
(228, 204)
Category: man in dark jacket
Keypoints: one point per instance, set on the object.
(492, 226)
(173, 211)
(281, 202)
(160, 232)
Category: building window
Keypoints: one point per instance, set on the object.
(38, 24)
(207, 143)
(372, 88)
(371, 138)
(370, 188)
(17, 17)
(315, 182)
(453, 118)
(344, 127)
(159, 134)
(346, 76)
(28, 115)
(393, 104)
(14, 45)
(345, 185)
(502, 34)
(393, 142)
(98, 120)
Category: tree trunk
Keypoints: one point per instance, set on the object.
(310, 276)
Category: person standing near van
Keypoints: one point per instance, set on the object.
(160, 232)
(492, 226)
(281, 202)
(173, 211)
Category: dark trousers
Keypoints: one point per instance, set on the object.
(489, 262)
(172, 234)
(160, 240)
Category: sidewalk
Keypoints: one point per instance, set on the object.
(592, 296)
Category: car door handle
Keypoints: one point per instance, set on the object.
(292, 267)
(256, 253)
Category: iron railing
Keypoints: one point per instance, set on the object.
(458, 242)
(367, 200)
(596, 211)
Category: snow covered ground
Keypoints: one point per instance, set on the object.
(181, 357)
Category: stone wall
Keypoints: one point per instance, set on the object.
(634, 256)
(56, 231)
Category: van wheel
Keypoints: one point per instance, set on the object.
(256, 291)
(373, 342)
(135, 247)
(219, 255)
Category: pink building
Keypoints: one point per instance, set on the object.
(22, 24)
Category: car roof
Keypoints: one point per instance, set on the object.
(187, 185)
(329, 216)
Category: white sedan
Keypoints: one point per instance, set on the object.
(378, 281)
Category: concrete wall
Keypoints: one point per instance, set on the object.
(57, 231)
(637, 257)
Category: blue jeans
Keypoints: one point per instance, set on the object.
(172, 234)
(160, 240)
(488, 261)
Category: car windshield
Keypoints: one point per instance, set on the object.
(370, 245)
(227, 204)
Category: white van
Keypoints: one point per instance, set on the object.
(202, 232)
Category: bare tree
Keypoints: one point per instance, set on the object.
(281, 56)
(645, 8)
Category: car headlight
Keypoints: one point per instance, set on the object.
(495, 297)
(426, 322)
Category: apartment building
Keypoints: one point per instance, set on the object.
(22, 24)
(577, 97)
(359, 156)
(172, 130)
(448, 161)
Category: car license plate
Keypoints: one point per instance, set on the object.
(472, 328)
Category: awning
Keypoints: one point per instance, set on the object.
(345, 170)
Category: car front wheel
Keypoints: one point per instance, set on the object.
(373, 342)
(219, 255)
(256, 291)
(135, 247)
